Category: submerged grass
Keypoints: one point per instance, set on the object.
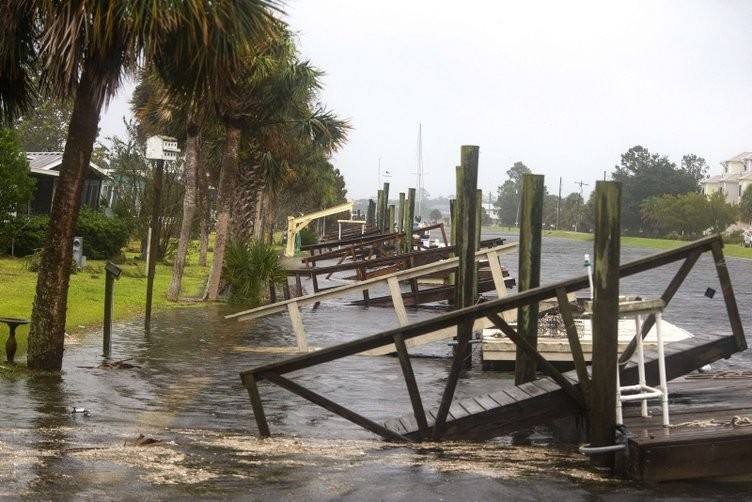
(86, 294)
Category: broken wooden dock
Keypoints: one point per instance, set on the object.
(710, 435)
(557, 394)
(392, 282)
(363, 269)
(543, 401)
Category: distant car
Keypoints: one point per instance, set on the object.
(747, 236)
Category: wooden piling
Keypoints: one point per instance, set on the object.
(528, 275)
(466, 288)
(371, 214)
(379, 213)
(409, 217)
(384, 209)
(605, 319)
(401, 215)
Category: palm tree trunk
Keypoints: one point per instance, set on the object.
(245, 221)
(47, 330)
(261, 208)
(189, 209)
(202, 188)
(225, 198)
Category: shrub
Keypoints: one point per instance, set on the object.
(103, 236)
(308, 237)
(249, 268)
(23, 235)
(733, 237)
(32, 261)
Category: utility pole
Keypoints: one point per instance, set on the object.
(558, 205)
(577, 210)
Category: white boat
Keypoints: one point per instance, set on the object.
(499, 352)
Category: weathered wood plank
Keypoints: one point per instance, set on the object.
(516, 393)
(471, 406)
(486, 402)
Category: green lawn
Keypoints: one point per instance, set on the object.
(86, 294)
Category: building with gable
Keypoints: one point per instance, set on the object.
(736, 177)
(45, 168)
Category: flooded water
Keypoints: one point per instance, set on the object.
(184, 393)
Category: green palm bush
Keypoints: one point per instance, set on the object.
(248, 268)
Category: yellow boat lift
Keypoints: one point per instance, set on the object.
(296, 224)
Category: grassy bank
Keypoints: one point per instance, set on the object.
(86, 294)
(736, 250)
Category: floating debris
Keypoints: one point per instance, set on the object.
(142, 440)
(82, 411)
(118, 365)
(114, 365)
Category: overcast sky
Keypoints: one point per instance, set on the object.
(564, 87)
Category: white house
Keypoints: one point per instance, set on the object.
(736, 177)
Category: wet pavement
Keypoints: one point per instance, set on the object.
(183, 393)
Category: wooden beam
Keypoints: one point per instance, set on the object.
(574, 344)
(412, 386)
(297, 326)
(334, 407)
(340, 291)
(667, 296)
(728, 295)
(249, 381)
(541, 361)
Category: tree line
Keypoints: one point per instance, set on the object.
(659, 199)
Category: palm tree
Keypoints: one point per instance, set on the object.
(83, 49)
(270, 105)
(161, 112)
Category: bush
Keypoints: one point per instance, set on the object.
(23, 235)
(103, 236)
(32, 261)
(733, 237)
(249, 268)
(308, 237)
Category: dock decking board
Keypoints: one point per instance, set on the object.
(543, 400)
(686, 450)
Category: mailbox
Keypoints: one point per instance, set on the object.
(112, 269)
(78, 251)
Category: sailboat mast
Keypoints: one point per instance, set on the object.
(419, 201)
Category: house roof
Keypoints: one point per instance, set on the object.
(723, 178)
(741, 157)
(48, 164)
